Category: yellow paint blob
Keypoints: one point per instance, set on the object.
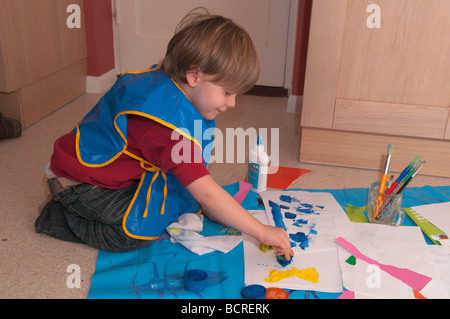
(265, 248)
(308, 274)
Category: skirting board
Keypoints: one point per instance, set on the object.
(294, 104)
(101, 84)
(363, 150)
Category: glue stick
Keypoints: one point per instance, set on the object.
(258, 167)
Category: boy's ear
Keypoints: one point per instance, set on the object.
(192, 76)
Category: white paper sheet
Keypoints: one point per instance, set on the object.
(258, 265)
(403, 247)
(442, 260)
(311, 214)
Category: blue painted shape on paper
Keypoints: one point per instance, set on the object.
(303, 208)
(301, 238)
(286, 198)
(300, 222)
(290, 215)
(309, 211)
(276, 213)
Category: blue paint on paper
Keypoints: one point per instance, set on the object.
(290, 215)
(289, 199)
(303, 208)
(300, 222)
(286, 198)
(309, 211)
(300, 238)
(276, 213)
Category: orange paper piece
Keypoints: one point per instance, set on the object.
(418, 295)
(283, 177)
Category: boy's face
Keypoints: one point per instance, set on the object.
(209, 98)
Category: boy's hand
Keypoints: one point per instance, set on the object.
(278, 238)
(220, 206)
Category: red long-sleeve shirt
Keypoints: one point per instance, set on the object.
(146, 139)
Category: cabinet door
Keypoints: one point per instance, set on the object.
(35, 40)
(389, 80)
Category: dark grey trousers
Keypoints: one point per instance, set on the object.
(89, 214)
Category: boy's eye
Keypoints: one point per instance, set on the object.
(228, 93)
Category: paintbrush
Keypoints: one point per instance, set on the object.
(384, 177)
(383, 181)
(410, 179)
(400, 190)
(408, 176)
(389, 183)
(405, 172)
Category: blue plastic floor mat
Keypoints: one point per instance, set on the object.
(156, 272)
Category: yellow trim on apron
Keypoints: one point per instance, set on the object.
(124, 220)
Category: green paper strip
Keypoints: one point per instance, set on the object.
(428, 228)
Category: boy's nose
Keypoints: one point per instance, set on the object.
(231, 101)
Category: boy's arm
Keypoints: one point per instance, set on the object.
(224, 208)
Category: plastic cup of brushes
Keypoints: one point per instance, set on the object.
(383, 208)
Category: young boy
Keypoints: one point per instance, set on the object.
(115, 182)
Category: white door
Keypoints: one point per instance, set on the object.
(144, 28)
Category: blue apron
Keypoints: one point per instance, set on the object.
(101, 137)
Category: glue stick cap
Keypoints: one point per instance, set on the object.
(254, 292)
(259, 140)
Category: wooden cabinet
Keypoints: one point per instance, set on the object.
(42, 60)
(367, 87)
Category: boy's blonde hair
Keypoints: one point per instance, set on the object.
(216, 46)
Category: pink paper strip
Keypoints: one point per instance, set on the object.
(244, 188)
(347, 294)
(409, 277)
